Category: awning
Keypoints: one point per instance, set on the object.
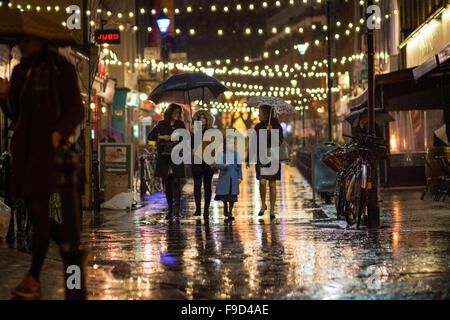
(421, 88)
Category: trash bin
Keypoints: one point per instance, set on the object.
(324, 178)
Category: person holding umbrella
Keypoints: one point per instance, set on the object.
(44, 102)
(268, 122)
(170, 172)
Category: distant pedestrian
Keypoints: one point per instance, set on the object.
(362, 129)
(202, 172)
(230, 176)
(170, 172)
(45, 104)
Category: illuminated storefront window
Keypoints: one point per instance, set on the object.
(412, 131)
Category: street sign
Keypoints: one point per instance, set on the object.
(152, 53)
(107, 36)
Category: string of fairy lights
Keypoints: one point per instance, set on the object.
(220, 67)
(246, 59)
(211, 8)
(266, 71)
(116, 18)
(255, 71)
(237, 106)
(248, 89)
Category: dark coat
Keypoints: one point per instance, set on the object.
(163, 163)
(46, 100)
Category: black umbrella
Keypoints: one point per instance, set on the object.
(381, 116)
(185, 87)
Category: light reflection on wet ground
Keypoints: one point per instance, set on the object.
(303, 254)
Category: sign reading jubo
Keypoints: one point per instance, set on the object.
(107, 36)
(116, 168)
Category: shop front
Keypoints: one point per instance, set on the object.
(418, 99)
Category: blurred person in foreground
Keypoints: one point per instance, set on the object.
(43, 100)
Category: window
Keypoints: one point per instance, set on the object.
(412, 131)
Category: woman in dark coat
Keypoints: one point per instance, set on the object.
(170, 173)
(45, 105)
(202, 172)
(265, 114)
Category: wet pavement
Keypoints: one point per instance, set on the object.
(303, 254)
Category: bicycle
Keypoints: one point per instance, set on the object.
(354, 163)
(147, 180)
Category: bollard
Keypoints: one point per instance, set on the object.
(73, 255)
(373, 207)
(143, 187)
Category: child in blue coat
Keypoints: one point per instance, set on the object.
(230, 176)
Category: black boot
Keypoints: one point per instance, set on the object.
(169, 213)
(230, 211)
(225, 209)
(177, 198)
(197, 213)
(168, 185)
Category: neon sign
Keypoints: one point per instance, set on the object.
(107, 36)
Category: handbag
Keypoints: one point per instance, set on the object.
(165, 148)
(284, 152)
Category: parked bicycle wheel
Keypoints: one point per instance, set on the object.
(353, 205)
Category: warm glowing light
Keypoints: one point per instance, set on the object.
(228, 94)
(394, 146)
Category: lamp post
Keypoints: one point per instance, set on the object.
(163, 22)
(330, 81)
(303, 122)
(373, 208)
